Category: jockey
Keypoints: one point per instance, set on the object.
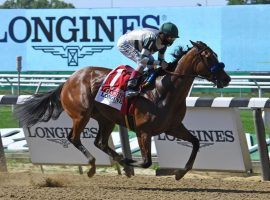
(139, 45)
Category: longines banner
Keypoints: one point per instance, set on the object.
(48, 143)
(69, 39)
(222, 141)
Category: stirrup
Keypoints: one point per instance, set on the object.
(151, 78)
(132, 83)
(131, 93)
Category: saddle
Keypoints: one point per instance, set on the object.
(112, 90)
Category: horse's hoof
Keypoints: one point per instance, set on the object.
(128, 172)
(91, 172)
(140, 164)
(126, 161)
(92, 161)
(179, 174)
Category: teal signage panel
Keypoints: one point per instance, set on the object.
(67, 40)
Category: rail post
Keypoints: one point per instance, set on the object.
(19, 69)
(125, 145)
(262, 146)
(3, 164)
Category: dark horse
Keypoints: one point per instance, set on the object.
(160, 110)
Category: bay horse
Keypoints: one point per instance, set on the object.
(159, 110)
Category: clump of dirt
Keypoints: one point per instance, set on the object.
(49, 180)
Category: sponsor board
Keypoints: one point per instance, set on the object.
(222, 142)
(48, 143)
(69, 39)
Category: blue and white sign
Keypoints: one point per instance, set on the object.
(48, 143)
(69, 39)
(222, 143)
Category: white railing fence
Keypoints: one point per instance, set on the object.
(38, 81)
(31, 80)
(258, 82)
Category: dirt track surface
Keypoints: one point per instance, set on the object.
(33, 185)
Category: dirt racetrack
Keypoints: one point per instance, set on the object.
(107, 185)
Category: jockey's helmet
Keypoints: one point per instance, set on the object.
(169, 29)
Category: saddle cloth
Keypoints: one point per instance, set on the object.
(112, 90)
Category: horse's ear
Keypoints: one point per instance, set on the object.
(195, 44)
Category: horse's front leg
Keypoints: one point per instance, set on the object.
(144, 140)
(182, 133)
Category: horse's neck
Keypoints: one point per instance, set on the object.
(185, 67)
(173, 89)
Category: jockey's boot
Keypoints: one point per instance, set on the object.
(132, 85)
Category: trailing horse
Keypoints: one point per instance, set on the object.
(156, 111)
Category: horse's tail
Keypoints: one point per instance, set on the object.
(40, 108)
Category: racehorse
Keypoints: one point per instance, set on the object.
(156, 111)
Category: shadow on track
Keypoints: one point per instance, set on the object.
(211, 190)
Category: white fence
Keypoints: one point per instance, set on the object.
(31, 80)
(257, 82)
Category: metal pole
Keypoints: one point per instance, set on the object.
(259, 89)
(80, 169)
(19, 69)
(12, 92)
(42, 169)
(125, 145)
(3, 164)
(38, 87)
(260, 92)
(262, 146)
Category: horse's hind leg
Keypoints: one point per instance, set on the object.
(74, 137)
(181, 132)
(144, 140)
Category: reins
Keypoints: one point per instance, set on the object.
(183, 75)
(190, 76)
(178, 74)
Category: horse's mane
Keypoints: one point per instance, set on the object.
(177, 55)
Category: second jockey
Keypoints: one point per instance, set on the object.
(139, 45)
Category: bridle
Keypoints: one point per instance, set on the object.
(213, 69)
